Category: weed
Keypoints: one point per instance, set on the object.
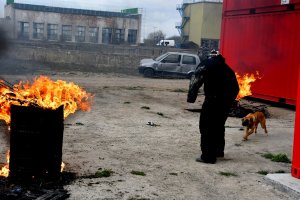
(174, 174)
(281, 158)
(277, 157)
(267, 155)
(145, 107)
(127, 102)
(227, 174)
(138, 173)
(263, 172)
(103, 173)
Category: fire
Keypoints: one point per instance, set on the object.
(5, 170)
(44, 93)
(245, 82)
(62, 166)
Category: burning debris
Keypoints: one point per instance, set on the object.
(239, 109)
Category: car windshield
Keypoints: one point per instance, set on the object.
(160, 57)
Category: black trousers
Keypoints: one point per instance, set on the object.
(213, 116)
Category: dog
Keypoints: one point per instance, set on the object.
(251, 121)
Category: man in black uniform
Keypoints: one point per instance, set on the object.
(220, 89)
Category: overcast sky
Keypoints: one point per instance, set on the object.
(157, 14)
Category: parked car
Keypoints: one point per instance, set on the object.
(170, 63)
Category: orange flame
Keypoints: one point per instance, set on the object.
(62, 166)
(5, 169)
(44, 93)
(245, 82)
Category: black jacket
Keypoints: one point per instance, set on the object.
(218, 78)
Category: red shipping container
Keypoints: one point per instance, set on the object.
(296, 148)
(264, 36)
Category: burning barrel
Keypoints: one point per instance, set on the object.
(35, 113)
(35, 142)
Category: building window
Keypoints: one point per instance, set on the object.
(23, 30)
(106, 35)
(132, 36)
(66, 32)
(119, 36)
(93, 34)
(38, 30)
(210, 44)
(80, 34)
(52, 32)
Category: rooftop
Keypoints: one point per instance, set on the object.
(73, 11)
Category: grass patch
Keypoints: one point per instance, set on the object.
(79, 124)
(267, 155)
(281, 157)
(103, 173)
(227, 174)
(263, 172)
(145, 107)
(139, 173)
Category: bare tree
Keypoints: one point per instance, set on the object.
(154, 37)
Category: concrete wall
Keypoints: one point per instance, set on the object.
(82, 57)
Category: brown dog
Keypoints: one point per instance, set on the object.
(251, 121)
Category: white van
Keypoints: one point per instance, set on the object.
(169, 43)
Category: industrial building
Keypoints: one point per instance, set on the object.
(37, 22)
(201, 22)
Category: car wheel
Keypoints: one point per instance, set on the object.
(148, 73)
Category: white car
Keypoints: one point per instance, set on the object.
(170, 63)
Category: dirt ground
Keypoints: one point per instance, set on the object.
(117, 135)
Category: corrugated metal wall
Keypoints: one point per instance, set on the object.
(264, 36)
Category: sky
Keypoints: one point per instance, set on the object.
(157, 14)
